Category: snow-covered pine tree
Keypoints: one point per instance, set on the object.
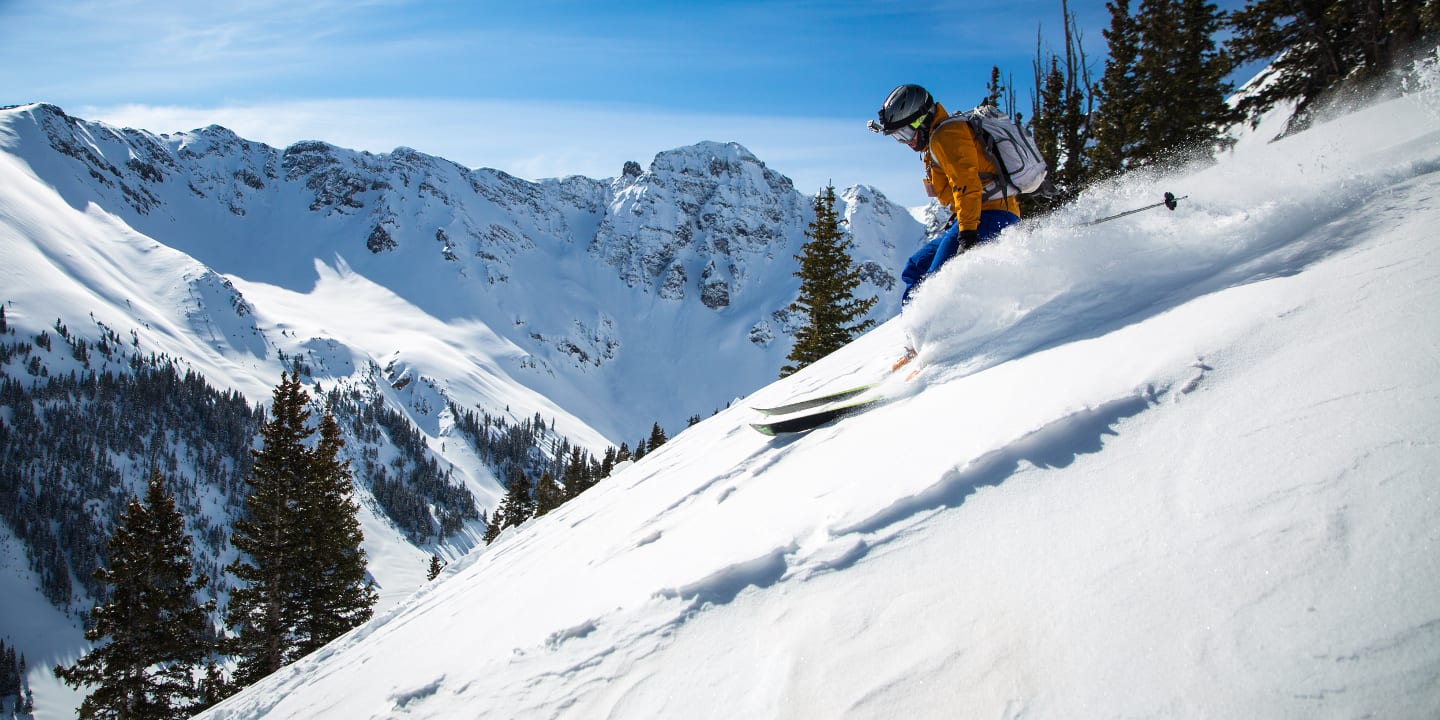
(1313, 47)
(153, 631)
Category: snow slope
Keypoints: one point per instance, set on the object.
(1177, 465)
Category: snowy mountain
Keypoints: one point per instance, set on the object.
(1178, 465)
(585, 284)
(412, 291)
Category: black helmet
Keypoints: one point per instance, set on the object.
(906, 104)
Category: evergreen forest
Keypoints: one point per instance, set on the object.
(85, 421)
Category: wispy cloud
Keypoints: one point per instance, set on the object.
(112, 49)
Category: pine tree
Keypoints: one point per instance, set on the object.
(1180, 74)
(1117, 124)
(657, 436)
(303, 565)
(495, 524)
(1312, 47)
(332, 592)
(214, 685)
(9, 676)
(577, 477)
(548, 494)
(1162, 96)
(1061, 121)
(157, 632)
(827, 299)
(521, 496)
(262, 611)
(1199, 71)
(607, 463)
(515, 508)
(436, 566)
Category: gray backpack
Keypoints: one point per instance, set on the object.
(1018, 165)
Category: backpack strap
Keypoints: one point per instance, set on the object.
(982, 139)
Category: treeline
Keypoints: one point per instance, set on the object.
(14, 689)
(71, 444)
(540, 469)
(299, 579)
(74, 441)
(1160, 99)
(421, 497)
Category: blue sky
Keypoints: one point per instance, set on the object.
(538, 88)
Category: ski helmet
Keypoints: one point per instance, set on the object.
(904, 112)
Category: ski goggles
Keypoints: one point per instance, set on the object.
(906, 133)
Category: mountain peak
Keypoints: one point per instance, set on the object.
(701, 230)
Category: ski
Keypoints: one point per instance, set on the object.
(814, 401)
(810, 421)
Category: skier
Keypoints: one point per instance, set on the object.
(954, 167)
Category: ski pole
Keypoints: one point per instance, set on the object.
(1170, 202)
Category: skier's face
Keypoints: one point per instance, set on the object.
(911, 136)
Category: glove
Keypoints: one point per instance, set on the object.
(968, 239)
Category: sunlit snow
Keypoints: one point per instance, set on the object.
(1174, 465)
(1178, 465)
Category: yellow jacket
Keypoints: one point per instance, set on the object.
(954, 163)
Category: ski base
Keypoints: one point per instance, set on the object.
(804, 423)
(837, 402)
(832, 397)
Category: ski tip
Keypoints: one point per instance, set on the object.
(763, 429)
(903, 360)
